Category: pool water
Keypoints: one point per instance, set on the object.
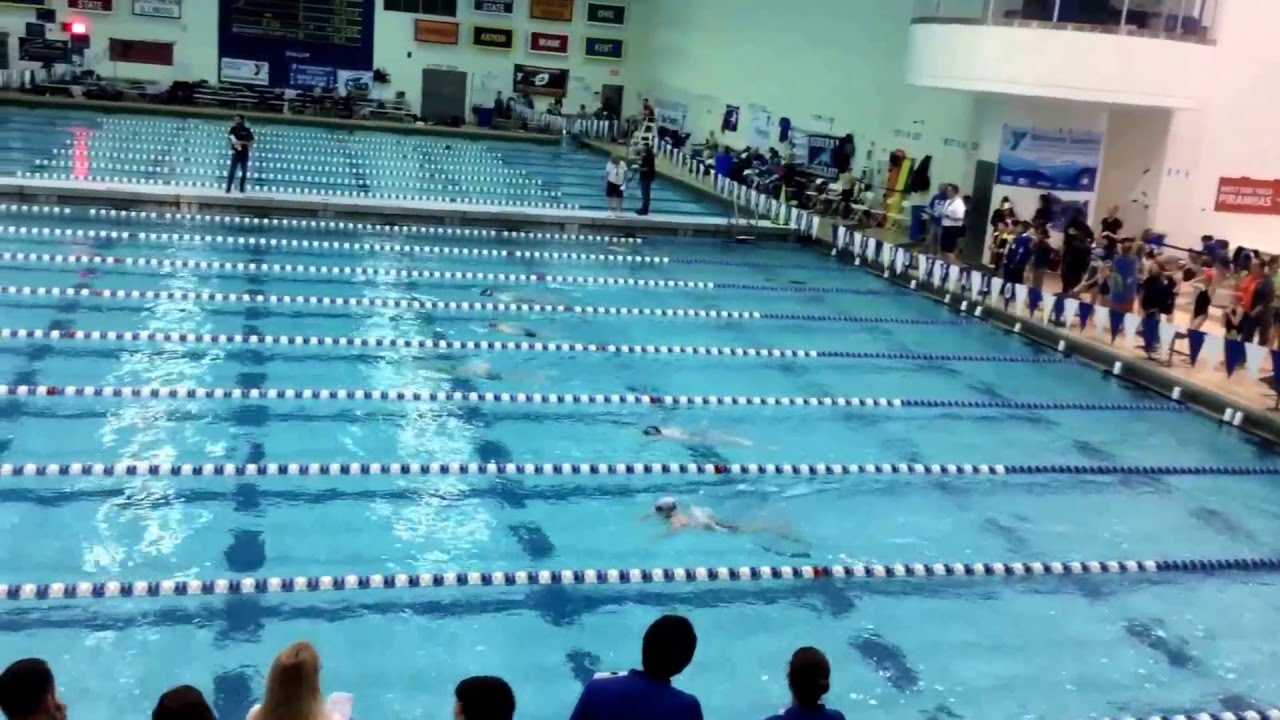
(68, 145)
(934, 648)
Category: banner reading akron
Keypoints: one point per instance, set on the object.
(538, 80)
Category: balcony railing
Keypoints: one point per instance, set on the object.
(1184, 20)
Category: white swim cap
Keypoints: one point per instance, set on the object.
(665, 505)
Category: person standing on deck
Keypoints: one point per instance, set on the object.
(241, 138)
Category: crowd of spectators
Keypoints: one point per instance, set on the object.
(28, 690)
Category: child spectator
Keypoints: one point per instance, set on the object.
(483, 697)
(293, 688)
(182, 703)
(28, 692)
(809, 678)
(645, 694)
(1041, 258)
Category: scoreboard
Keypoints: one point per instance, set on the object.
(326, 22)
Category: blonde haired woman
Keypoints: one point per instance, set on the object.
(615, 182)
(293, 689)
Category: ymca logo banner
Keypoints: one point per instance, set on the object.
(492, 38)
(1061, 160)
(1248, 196)
(495, 7)
(548, 43)
(538, 80)
(599, 13)
(604, 48)
(245, 72)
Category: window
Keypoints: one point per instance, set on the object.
(446, 8)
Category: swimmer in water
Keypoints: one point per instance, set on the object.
(476, 369)
(681, 435)
(510, 329)
(695, 519)
(510, 297)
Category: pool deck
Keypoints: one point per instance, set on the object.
(158, 197)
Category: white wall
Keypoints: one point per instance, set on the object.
(840, 59)
(195, 53)
(491, 70)
(196, 48)
(1133, 160)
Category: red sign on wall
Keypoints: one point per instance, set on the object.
(1248, 196)
(105, 6)
(550, 43)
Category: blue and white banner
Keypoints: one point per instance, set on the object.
(671, 115)
(1061, 160)
(818, 153)
(310, 77)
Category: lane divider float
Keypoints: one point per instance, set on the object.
(451, 305)
(299, 269)
(538, 398)
(518, 345)
(106, 589)
(143, 469)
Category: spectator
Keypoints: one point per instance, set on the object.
(483, 697)
(293, 687)
(724, 161)
(952, 223)
(1041, 257)
(843, 155)
(556, 107)
(1122, 284)
(1043, 216)
(182, 703)
(1019, 254)
(934, 213)
(650, 115)
(1158, 292)
(647, 694)
(1112, 224)
(499, 106)
(648, 171)
(1257, 321)
(809, 678)
(1003, 224)
(615, 183)
(1201, 301)
(1077, 246)
(28, 692)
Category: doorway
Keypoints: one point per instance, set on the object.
(611, 99)
(444, 96)
(976, 214)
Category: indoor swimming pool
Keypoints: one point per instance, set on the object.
(193, 152)
(560, 350)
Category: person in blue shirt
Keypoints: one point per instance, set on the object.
(809, 678)
(724, 162)
(1122, 286)
(934, 210)
(1018, 254)
(646, 694)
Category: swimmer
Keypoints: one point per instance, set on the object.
(476, 369)
(510, 329)
(681, 435)
(695, 519)
(510, 297)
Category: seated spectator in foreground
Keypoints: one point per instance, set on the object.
(647, 694)
(809, 677)
(293, 688)
(28, 692)
(182, 703)
(483, 697)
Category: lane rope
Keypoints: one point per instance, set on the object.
(299, 269)
(345, 469)
(311, 224)
(455, 306)
(179, 392)
(524, 345)
(106, 589)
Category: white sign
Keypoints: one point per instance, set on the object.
(158, 8)
(357, 81)
(247, 72)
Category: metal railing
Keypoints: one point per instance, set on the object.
(1183, 20)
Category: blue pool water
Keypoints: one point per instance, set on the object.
(939, 649)
(58, 144)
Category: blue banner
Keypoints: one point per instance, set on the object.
(1063, 160)
(603, 48)
(821, 155)
(309, 77)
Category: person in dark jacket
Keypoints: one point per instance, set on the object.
(1077, 247)
(648, 171)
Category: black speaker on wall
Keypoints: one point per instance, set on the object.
(47, 15)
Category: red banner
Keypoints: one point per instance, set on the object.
(545, 42)
(91, 5)
(1248, 196)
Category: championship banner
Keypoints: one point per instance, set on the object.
(557, 10)
(309, 77)
(1248, 196)
(245, 72)
(102, 6)
(495, 7)
(599, 13)
(548, 43)
(817, 152)
(538, 80)
(603, 48)
(671, 114)
(439, 32)
(492, 38)
(171, 9)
